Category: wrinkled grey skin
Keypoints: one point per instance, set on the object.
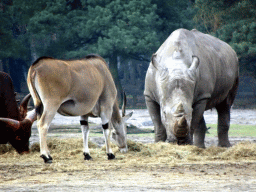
(191, 72)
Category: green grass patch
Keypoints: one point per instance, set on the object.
(235, 130)
(142, 135)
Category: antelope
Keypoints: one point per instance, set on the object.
(82, 87)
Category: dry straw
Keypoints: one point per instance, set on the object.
(70, 151)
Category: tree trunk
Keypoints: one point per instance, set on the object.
(33, 50)
(114, 72)
(132, 72)
(6, 67)
(126, 73)
(134, 100)
(16, 73)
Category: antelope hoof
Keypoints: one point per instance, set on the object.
(47, 159)
(87, 156)
(111, 156)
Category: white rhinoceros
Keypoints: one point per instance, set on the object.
(191, 72)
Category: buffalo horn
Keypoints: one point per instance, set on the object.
(14, 124)
(124, 104)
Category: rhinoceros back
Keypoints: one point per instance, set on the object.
(218, 69)
(217, 73)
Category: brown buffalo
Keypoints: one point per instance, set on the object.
(15, 124)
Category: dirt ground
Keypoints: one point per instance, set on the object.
(153, 168)
(238, 176)
(146, 167)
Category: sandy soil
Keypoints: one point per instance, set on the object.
(70, 172)
(187, 177)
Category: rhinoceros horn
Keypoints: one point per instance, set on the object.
(182, 122)
(181, 127)
(180, 108)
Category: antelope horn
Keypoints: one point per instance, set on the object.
(180, 108)
(182, 122)
(124, 104)
(24, 105)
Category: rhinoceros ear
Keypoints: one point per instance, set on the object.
(154, 61)
(193, 67)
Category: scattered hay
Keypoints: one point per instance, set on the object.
(135, 146)
(243, 150)
(5, 148)
(166, 152)
(69, 150)
(35, 148)
(62, 145)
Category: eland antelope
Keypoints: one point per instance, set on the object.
(82, 88)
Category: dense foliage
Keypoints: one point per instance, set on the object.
(124, 32)
(233, 21)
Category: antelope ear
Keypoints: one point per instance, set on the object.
(128, 116)
(24, 106)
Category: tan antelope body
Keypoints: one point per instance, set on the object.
(82, 88)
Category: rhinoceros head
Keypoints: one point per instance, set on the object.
(176, 83)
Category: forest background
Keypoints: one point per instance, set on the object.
(125, 33)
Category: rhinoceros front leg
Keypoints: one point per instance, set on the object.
(199, 134)
(223, 110)
(154, 112)
(198, 127)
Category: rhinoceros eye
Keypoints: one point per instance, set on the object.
(164, 113)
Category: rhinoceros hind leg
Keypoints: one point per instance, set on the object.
(223, 110)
